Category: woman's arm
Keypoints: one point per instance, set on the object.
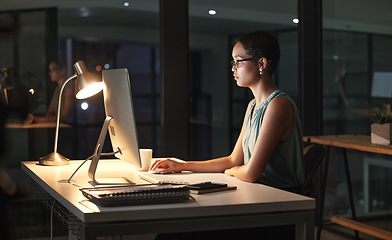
(51, 116)
(276, 127)
(68, 101)
(219, 164)
(236, 158)
(213, 165)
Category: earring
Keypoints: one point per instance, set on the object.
(261, 72)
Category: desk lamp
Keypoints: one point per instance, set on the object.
(87, 84)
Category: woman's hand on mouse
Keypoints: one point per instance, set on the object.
(168, 166)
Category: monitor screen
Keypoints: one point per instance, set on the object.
(382, 85)
(120, 120)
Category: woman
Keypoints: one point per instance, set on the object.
(269, 147)
(57, 75)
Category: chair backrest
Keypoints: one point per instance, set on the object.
(313, 156)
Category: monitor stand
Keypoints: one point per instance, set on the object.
(94, 161)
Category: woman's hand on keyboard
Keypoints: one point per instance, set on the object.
(168, 166)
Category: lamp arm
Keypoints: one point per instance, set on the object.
(58, 111)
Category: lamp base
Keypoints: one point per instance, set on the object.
(54, 159)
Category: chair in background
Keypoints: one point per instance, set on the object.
(313, 156)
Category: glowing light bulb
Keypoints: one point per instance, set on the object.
(84, 106)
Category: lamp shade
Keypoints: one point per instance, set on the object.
(87, 83)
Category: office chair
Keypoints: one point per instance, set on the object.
(313, 156)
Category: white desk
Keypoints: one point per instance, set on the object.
(251, 205)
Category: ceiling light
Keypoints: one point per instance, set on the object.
(295, 20)
(126, 4)
(212, 12)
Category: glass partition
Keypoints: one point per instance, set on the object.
(27, 42)
(356, 46)
(23, 42)
(111, 36)
(28, 39)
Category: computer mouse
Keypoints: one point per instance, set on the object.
(157, 170)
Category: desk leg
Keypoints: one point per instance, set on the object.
(350, 189)
(304, 231)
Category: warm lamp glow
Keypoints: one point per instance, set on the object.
(87, 84)
(90, 90)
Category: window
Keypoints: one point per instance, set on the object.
(142, 62)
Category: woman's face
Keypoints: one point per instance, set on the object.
(245, 73)
(54, 72)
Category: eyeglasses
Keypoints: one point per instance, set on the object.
(53, 70)
(235, 63)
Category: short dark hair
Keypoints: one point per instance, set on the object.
(262, 44)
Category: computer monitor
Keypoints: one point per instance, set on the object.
(382, 85)
(119, 122)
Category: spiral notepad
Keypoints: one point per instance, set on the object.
(136, 195)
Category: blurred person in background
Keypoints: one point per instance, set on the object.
(57, 75)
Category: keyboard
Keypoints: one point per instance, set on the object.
(157, 178)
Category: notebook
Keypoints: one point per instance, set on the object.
(136, 195)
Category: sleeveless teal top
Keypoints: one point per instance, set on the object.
(285, 168)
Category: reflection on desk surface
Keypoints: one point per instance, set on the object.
(36, 125)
